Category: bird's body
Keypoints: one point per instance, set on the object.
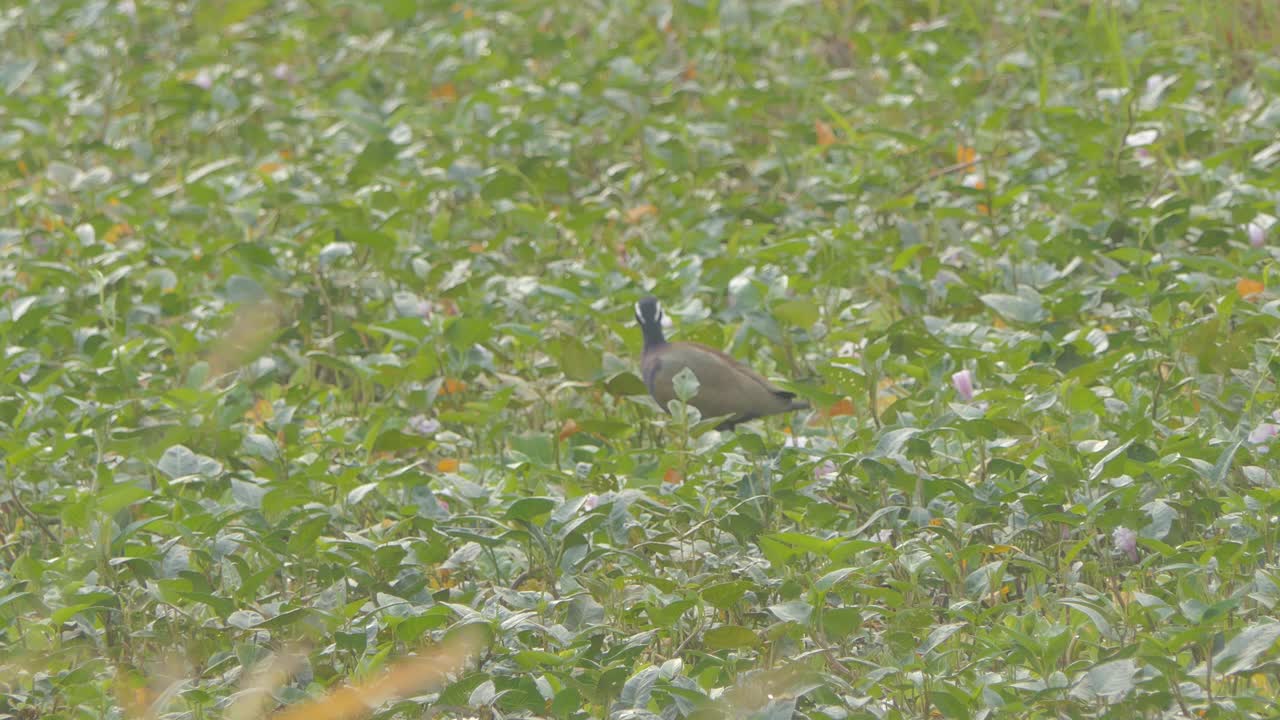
(726, 387)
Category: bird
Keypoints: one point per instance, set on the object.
(726, 387)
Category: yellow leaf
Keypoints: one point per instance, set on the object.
(444, 91)
(965, 154)
(260, 412)
(447, 465)
(453, 387)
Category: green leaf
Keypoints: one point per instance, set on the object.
(625, 384)
(1242, 654)
(833, 578)
(530, 509)
(577, 360)
(725, 595)
(213, 17)
(119, 496)
(375, 156)
(1099, 621)
(685, 384)
(729, 637)
(798, 312)
(1109, 681)
(1016, 307)
(179, 461)
(537, 447)
(796, 611)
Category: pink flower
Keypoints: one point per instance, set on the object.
(423, 425)
(1126, 541)
(203, 79)
(1257, 234)
(1263, 433)
(963, 383)
(591, 502)
(824, 470)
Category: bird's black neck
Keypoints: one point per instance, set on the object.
(653, 336)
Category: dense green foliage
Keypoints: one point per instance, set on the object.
(317, 332)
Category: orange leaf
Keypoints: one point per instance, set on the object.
(267, 168)
(640, 212)
(826, 136)
(843, 406)
(1248, 288)
(444, 91)
(672, 477)
(447, 465)
(115, 232)
(690, 72)
(965, 154)
(453, 387)
(569, 429)
(983, 209)
(475, 248)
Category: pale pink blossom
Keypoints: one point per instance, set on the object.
(963, 383)
(203, 79)
(1257, 235)
(1126, 541)
(423, 425)
(1263, 433)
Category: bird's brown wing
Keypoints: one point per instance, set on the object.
(726, 387)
